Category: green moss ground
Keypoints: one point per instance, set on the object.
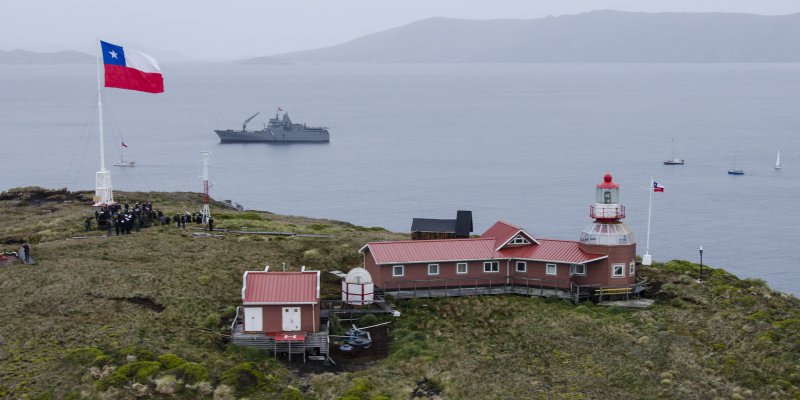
(69, 332)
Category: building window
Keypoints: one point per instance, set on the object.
(491, 266)
(550, 269)
(433, 269)
(577, 269)
(617, 270)
(519, 239)
(461, 268)
(632, 270)
(398, 270)
(522, 266)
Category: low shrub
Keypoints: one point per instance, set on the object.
(190, 372)
(140, 371)
(244, 377)
(359, 391)
(170, 361)
(368, 320)
(87, 355)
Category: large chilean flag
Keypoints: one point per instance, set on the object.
(130, 69)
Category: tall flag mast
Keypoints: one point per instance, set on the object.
(103, 194)
(206, 211)
(647, 259)
(124, 69)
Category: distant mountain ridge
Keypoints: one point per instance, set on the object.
(594, 37)
(17, 57)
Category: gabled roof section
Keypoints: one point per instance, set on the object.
(419, 251)
(502, 232)
(261, 287)
(562, 251)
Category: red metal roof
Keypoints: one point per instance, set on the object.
(563, 251)
(261, 287)
(502, 232)
(483, 248)
(431, 250)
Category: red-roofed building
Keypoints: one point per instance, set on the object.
(508, 256)
(278, 302)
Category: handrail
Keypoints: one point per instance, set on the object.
(235, 318)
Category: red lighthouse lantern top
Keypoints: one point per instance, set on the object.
(607, 207)
(608, 183)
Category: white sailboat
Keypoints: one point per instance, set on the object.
(122, 162)
(778, 161)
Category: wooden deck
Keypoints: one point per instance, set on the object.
(314, 343)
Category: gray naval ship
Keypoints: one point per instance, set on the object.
(278, 130)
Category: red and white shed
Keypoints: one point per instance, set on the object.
(277, 302)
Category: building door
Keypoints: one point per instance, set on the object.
(291, 319)
(253, 321)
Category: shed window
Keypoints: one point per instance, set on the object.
(461, 268)
(398, 270)
(522, 266)
(491, 266)
(617, 270)
(577, 269)
(433, 269)
(632, 270)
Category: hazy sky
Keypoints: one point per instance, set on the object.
(205, 29)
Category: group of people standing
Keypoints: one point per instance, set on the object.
(122, 219)
(180, 220)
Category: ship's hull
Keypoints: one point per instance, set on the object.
(268, 135)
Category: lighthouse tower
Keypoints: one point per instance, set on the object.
(610, 236)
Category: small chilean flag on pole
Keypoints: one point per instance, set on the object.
(130, 69)
(657, 187)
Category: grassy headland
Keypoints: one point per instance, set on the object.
(145, 316)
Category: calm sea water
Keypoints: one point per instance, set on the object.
(522, 143)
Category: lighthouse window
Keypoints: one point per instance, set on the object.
(632, 271)
(618, 270)
(398, 270)
(550, 269)
(491, 266)
(433, 269)
(607, 197)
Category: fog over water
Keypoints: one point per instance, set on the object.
(522, 143)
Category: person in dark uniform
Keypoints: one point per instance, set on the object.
(117, 224)
(87, 224)
(210, 224)
(26, 252)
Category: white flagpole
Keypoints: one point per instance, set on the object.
(647, 259)
(102, 184)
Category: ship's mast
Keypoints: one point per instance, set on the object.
(206, 210)
(103, 194)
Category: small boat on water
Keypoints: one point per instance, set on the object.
(778, 161)
(734, 170)
(672, 160)
(122, 162)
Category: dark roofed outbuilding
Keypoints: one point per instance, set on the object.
(429, 228)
